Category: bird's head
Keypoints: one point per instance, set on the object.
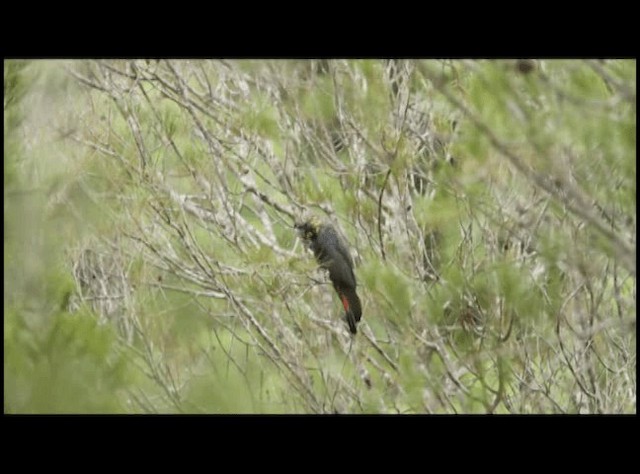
(309, 229)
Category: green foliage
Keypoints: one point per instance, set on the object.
(393, 288)
(14, 90)
(74, 366)
(260, 117)
(224, 387)
(490, 207)
(54, 361)
(318, 103)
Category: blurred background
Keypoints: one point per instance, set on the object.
(151, 264)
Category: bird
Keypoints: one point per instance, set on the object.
(332, 254)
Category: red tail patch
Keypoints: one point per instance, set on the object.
(345, 303)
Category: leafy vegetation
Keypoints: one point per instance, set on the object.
(151, 264)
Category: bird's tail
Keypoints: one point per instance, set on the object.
(352, 307)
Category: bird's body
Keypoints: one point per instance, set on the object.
(333, 255)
